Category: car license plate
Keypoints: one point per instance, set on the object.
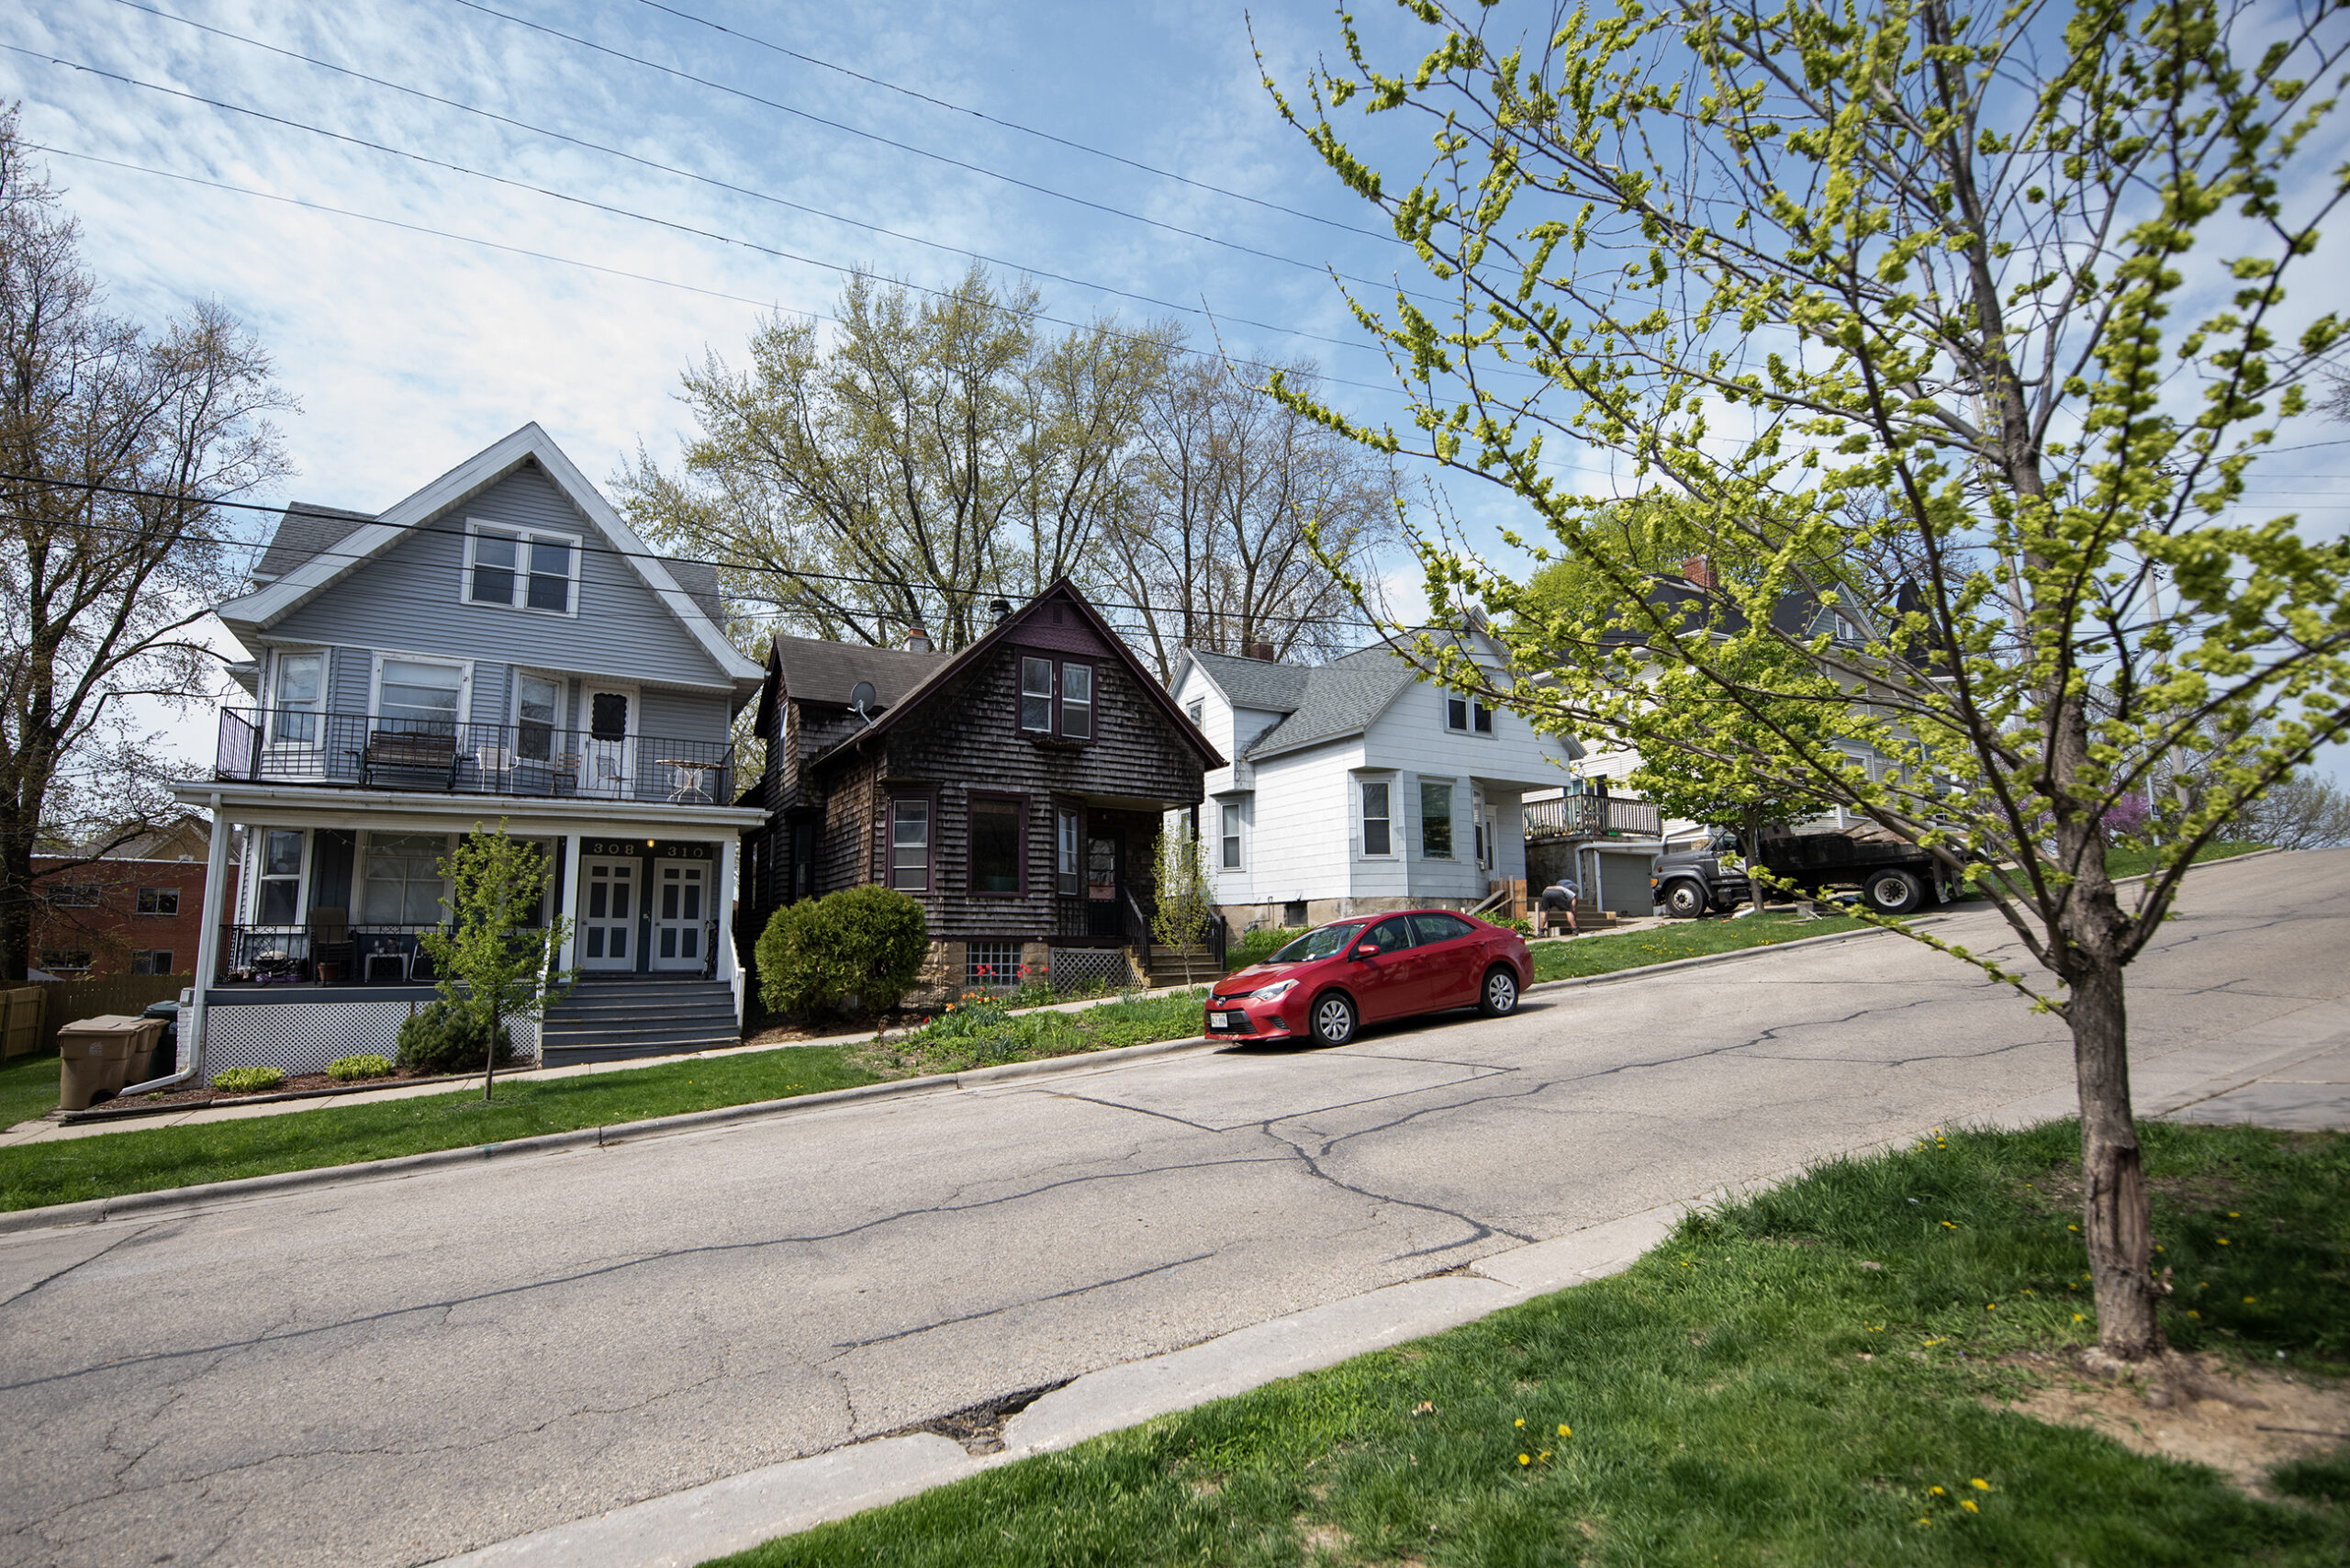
(1228, 1020)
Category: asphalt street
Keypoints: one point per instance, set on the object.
(390, 1372)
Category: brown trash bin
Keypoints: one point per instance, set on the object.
(93, 1054)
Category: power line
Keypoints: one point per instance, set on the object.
(426, 526)
(1024, 129)
(917, 151)
(710, 180)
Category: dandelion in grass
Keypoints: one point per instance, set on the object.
(1980, 1484)
(2079, 1318)
(1936, 1491)
(1525, 1459)
(1520, 1421)
(2250, 1299)
(1968, 1504)
(2220, 1239)
(1565, 1431)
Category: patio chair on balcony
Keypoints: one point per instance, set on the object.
(333, 954)
(410, 751)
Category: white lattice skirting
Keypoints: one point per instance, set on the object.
(1074, 968)
(297, 1038)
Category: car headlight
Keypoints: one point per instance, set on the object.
(1274, 992)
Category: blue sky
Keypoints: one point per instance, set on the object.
(409, 351)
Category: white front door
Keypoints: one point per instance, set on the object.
(608, 904)
(605, 749)
(682, 890)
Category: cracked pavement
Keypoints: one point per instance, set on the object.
(394, 1371)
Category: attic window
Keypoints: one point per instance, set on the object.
(1056, 697)
(1466, 715)
(520, 569)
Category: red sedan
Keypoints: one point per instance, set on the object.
(1368, 969)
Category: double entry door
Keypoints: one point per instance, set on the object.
(615, 896)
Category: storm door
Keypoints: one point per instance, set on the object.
(680, 892)
(605, 754)
(607, 914)
(1105, 881)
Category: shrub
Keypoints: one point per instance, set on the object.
(247, 1080)
(449, 1036)
(352, 1070)
(868, 942)
(1256, 947)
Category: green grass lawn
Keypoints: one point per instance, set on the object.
(1685, 939)
(142, 1161)
(1748, 1393)
(2137, 862)
(981, 1033)
(27, 1087)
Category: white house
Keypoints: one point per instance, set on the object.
(1359, 786)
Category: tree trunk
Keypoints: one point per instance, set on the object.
(490, 1061)
(2115, 1215)
(1755, 859)
(16, 905)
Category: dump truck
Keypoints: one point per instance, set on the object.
(1892, 878)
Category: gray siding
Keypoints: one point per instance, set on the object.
(409, 599)
(353, 671)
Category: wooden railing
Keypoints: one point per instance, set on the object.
(1593, 816)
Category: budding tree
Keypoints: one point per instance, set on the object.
(2012, 280)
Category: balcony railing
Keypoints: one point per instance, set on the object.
(1592, 816)
(353, 750)
(342, 953)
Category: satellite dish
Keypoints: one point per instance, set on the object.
(861, 698)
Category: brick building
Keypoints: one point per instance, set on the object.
(136, 910)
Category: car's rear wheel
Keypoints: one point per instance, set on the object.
(1685, 901)
(1498, 997)
(1334, 1020)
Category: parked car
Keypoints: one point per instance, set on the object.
(1368, 969)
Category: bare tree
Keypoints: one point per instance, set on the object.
(114, 446)
(933, 453)
(1214, 550)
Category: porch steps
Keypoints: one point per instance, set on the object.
(615, 1020)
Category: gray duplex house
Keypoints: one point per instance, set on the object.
(498, 646)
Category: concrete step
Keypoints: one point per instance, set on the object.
(554, 1054)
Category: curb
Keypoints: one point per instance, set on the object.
(96, 1211)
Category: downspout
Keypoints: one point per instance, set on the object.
(207, 956)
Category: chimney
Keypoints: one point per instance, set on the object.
(1000, 608)
(1263, 651)
(917, 637)
(1700, 571)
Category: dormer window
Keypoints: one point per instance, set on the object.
(521, 568)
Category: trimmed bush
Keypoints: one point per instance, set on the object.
(247, 1080)
(352, 1070)
(867, 943)
(449, 1038)
(1256, 947)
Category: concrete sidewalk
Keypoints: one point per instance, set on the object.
(2292, 1071)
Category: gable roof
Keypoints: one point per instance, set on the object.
(305, 530)
(809, 669)
(332, 560)
(911, 697)
(1250, 683)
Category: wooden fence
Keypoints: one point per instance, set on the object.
(30, 1017)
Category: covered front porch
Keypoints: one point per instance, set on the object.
(338, 887)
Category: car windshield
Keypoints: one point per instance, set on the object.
(1321, 943)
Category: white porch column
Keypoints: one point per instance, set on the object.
(208, 936)
(569, 955)
(723, 905)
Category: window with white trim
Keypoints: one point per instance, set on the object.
(157, 961)
(1436, 820)
(521, 568)
(536, 699)
(158, 901)
(1467, 715)
(401, 880)
(279, 899)
(297, 700)
(1230, 858)
(1378, 818)
(419, 695)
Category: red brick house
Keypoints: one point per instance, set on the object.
(136, 909)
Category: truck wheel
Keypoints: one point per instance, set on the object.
(1685, 901)
(1892, 893)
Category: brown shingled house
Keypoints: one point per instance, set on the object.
(1017, 788)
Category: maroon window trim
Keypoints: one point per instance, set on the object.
(1056, 720)
(977, 798)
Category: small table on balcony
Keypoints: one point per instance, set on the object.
(686, 782)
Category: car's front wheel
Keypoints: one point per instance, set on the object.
(1685, 901)
(1498, 999)
(1334, 1020)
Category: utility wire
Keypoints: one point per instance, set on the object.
(710, 180)
(1024, 129)
(917, 151)
(426, 526)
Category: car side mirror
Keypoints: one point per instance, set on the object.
(1365, 951)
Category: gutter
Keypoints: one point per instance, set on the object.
(215, 875)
